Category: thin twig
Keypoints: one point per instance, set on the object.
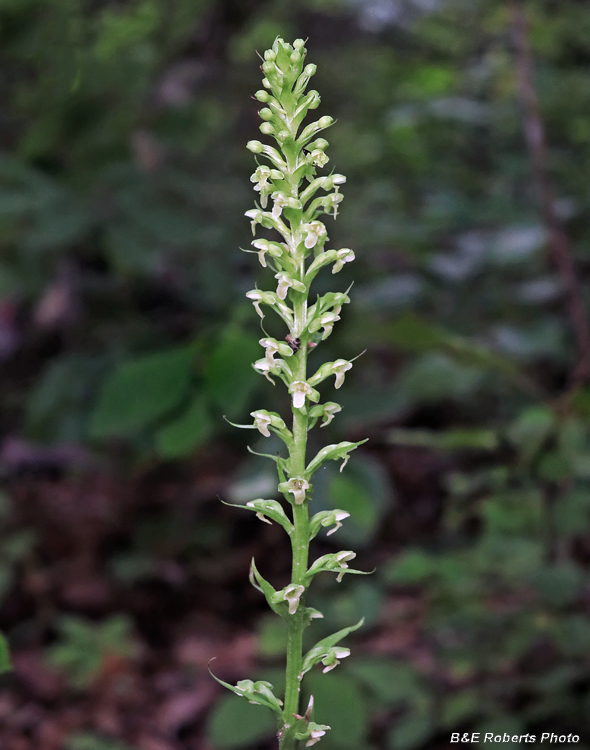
(560, 253)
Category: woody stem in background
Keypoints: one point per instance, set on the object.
(560, 252)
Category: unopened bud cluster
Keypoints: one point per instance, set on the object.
(292, 198)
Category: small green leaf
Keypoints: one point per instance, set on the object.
(339, 703)
(5, 665)
(436, 376)
(266, 588)
(92, 741)
(354, 498)
(234, 723)
(411, 731)
(18, 545)
(272, 636)
(559, 585)
(531, 429)
(572, 512)
(448, 440)
(412, 566)
(83, 646)
(412, 333)
(393, 682)
(187, 433)
(573, 635)
(458, 708)
(229, 378)
(581, 402)
(139, 392)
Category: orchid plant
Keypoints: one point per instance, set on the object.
(289, 203)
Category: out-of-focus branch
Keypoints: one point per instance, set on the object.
(559, 246)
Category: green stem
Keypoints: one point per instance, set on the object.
(300, 548)
(300, 535)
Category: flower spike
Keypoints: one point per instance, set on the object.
(292, 195)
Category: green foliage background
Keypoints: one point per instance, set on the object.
(123, 184)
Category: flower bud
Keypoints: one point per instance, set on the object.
(266, 114)
(313, 99)
(298, 44)
(310, 70)
(295, 58)
(320, 143)
(266, 128)
(269, 56)
(268, 67)
(325, 121)
(255, 147)
(262, 96)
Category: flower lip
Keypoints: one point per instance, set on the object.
(266, 246)
(316, 231)
(262, 421)
(256, 298)
(265, 369)
(340, 366)
(338, 517)
(330, 409)
(292, 594)
(285, 282)
(344, 255)
(301, 390)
